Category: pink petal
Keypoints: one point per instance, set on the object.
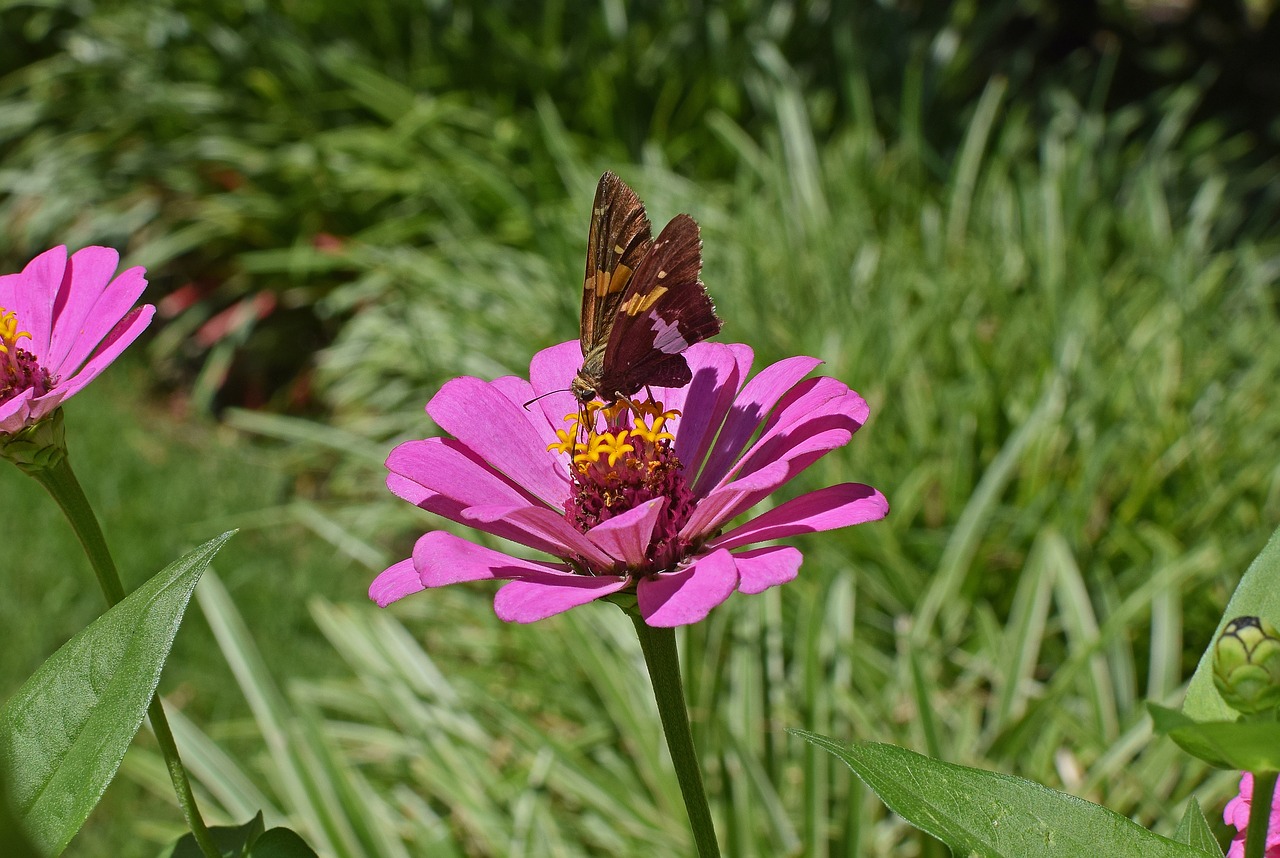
(33, 296)
(1237, 810)
(714, 509)
(752, 406)
(495, 428)
(521, 392)
(40, 407)
(90, 305)
(441, 476)
(445, 466)
(125, 332)
(442, 558)
(549, 526)
(762, 568)
(534, 598)
(688, 595)
(88, 272)
(825, 509)
(627, 536)
(394, 583)
(13, 292)
(550, 373)
(15, 412)
(812, 407)
(718, 373)
(731, 499)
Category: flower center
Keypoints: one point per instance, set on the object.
(616, 468)
(19, 369)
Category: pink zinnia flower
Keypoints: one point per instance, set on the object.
(62, 322)
(1237, 813)
(639, 506)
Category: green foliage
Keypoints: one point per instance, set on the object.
(1257, 596)
(994, 815)
(1062, 317)
(1240, 745)
(246, 841)
(260, 157)
(1194, 831)
(64, 732)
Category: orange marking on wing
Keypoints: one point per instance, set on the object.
(637, 304)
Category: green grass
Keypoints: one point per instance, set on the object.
(1069, 384)
(161, 483)
(1065, 330)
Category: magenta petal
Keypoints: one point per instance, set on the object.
(15, 412)
(520, 392)
(688, 595)
(731, 499)
(395, 582)
(441, 476)
(718, 372)
(762, 568)
(825, 509)
(749, 411)
(36, 295)
(442, 558)
(488, 423)
(627, 536)
(534, 598)
(406, 489)
(125, 332)
(815, 406)
(549, 526)
(90, 305)
(444, 466)
(715, 508)
(88, 272)
(550, 373)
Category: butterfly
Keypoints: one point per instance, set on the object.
(642, 301)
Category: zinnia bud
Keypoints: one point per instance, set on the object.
(38, 446)
(1246, 665)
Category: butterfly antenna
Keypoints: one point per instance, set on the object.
(544, 396)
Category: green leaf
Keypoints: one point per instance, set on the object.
(64, 732)
(995, 815)
(15, 840)
(1258, 595)
(231, 840)
(281, 843)
(1194, 830)
(1244, 745)
(245, 841)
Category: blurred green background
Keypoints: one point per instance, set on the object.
(1039, 237)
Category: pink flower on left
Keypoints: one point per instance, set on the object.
(63, 320)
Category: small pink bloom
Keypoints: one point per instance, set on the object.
(644, 509)
(1236, 814)
(62, 322)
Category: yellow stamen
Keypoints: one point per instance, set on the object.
(649, 420)
(9, 333)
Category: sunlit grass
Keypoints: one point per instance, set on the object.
(1067, 346)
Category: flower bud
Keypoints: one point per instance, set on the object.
(1246, 665)
(36, 447)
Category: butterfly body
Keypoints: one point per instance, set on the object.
(643, 303)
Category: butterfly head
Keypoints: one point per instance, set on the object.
(583, 389)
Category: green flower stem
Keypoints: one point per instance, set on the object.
(65, 489)
(663, 662)
(1255, 837)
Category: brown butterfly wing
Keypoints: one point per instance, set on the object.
(665, 310)
(619, 239)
